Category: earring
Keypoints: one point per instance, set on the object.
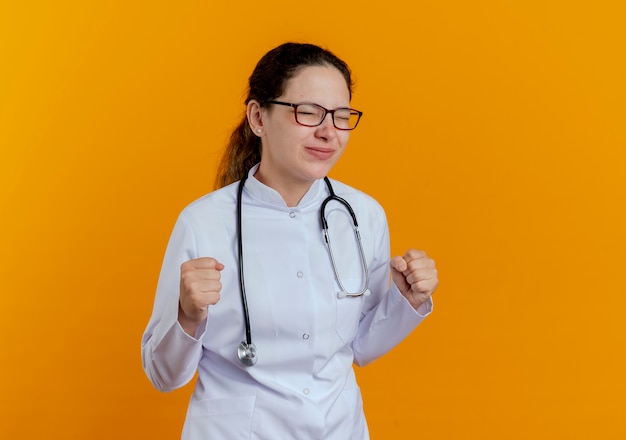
(258, 130)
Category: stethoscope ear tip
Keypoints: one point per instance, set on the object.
(341, 294)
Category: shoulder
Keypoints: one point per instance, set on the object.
(212, 205)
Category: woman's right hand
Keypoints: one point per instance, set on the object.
(199, 288)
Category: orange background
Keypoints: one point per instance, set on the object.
(494, 135)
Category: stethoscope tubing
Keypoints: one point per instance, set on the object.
(247, 351)
(343, 292)
(245, 356)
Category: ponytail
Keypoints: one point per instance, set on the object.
(243, 151)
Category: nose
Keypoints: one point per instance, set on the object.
(326, 130)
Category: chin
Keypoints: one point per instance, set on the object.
(319, 173)
(321, 170)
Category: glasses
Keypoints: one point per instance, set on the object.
(312, 115)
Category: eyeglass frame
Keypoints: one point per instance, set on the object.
(326, 111)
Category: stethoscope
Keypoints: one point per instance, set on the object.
(247, 351)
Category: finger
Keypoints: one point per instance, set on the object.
(200, 269)
(196, 309)
(204, 286)
(195, 277)
(200, 300)
(209, 299)
(203, 263)
(425, 286)
(420, 264)
(421, 275)
(199, 296)
(398, 264)
(414, 254)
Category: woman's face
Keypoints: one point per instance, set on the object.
(293, 155)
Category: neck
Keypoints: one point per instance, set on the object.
(291, 192)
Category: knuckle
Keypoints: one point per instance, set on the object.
(415, 253)
(184, 281)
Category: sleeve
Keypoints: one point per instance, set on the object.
(388, 317)
(170, 356)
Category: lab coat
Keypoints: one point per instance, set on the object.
(303, 385)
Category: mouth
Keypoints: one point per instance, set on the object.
(320, 153)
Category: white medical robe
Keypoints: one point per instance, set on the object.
(303, 385)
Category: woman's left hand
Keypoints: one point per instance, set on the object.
(415, 275)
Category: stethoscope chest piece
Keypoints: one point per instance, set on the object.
(247, 353)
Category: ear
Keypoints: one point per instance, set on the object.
(254, 114)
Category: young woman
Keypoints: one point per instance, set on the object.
(269, 310)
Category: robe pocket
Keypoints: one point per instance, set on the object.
(348, 312)
(229, 418)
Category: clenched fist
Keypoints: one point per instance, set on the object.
(199, 288)
(415, 275)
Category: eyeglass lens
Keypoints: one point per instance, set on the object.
(313, 115)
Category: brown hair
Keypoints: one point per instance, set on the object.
(266, 83)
